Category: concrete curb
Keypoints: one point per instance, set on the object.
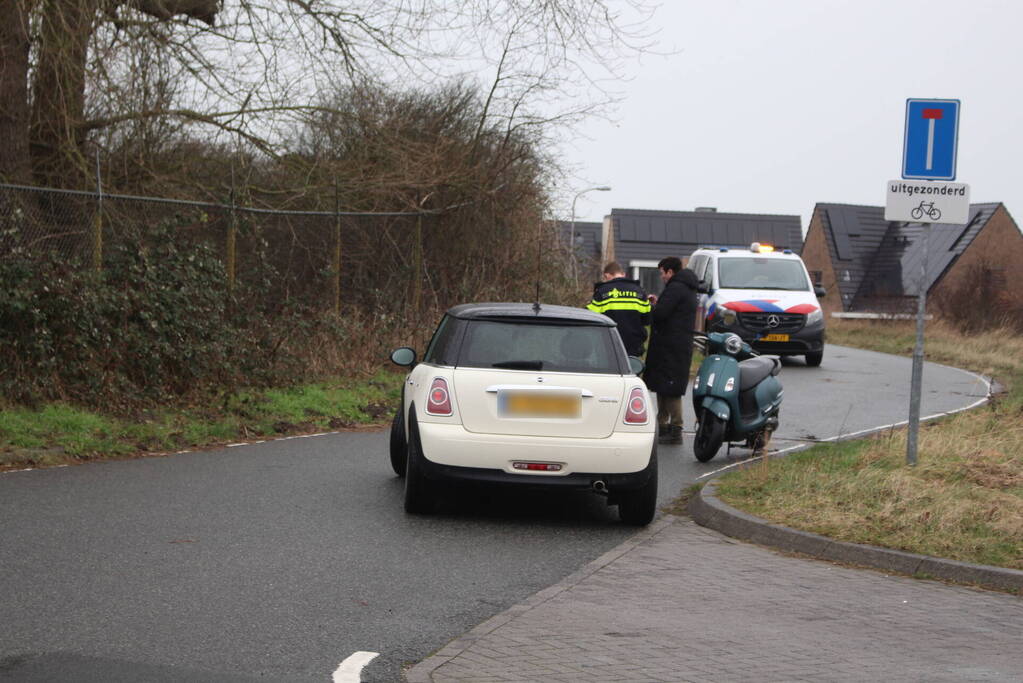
(708, 510)
(423, 671)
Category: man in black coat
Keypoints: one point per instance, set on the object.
(671, 346)
(624, 301)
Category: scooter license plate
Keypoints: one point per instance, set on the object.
(526, 404)
(775, 338)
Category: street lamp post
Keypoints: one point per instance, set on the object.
(598, 188)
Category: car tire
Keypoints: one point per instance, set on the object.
(638, 506)
(418, 492)
(399, 449)
(813, 360)
(710, 433)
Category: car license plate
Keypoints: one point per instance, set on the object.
(536, 404)
(775, 338)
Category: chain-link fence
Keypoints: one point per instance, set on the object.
(311, 258)
(127, 300)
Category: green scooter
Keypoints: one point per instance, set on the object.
(736, 394)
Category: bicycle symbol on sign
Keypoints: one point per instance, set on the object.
(925, 208)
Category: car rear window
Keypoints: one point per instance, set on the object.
(549, 347)
(444, 344)
(761, 273)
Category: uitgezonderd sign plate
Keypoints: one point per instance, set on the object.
(927, 201)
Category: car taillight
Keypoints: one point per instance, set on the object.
(439, 401)
(635, 412)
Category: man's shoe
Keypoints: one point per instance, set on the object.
(676, 434)
(669, 434)
(663, 434)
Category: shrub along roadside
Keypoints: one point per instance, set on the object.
(59, 434)
(964, 499)
(156, 325)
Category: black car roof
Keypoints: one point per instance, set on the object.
(524, 312)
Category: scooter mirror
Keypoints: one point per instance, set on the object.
(733, 344)
(636, 365)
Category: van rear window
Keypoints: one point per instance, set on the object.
(551, 347)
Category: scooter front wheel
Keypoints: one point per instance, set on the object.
(710, 432)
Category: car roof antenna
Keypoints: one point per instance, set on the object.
(539, 251)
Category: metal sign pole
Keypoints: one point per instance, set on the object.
(918, 355)
(97, 221)
(929, 149)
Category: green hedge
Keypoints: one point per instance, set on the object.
(157, 323)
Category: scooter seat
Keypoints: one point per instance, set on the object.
(753, 371)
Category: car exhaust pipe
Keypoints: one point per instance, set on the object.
(600, 487)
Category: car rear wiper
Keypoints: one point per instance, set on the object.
(519, 365)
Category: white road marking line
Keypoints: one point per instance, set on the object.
(350, 670)
(747, 461)
(280, 438)
(230, 445)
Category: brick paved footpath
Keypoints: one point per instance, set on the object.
(682, 603)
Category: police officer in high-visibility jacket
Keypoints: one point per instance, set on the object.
(624, 301)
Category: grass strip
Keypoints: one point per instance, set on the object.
(60, 434)
(963, 501)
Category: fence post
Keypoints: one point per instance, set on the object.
(417, 288)
(97, 222)
(232, 241)
(337, 250)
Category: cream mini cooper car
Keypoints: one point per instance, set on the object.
(526, 394)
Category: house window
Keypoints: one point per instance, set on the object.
(648, 274)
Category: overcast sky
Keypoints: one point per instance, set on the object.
(769, 106)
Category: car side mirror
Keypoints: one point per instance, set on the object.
(403, 356)
(636, 365)
(820, 291)
(703, 287)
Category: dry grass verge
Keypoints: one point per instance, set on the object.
(964, 500)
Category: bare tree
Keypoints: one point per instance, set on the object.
(251, 70)
(14, 111)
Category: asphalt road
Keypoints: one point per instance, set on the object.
(276, 561)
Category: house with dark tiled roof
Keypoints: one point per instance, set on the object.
(583, 239)
(868, 264)
(639, 238)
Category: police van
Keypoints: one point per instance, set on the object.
(764, 296)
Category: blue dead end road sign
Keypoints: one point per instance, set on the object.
(932, 135)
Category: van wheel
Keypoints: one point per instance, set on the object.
(710, 433)
(399, 455)
(813, 360)
(418, 492)
(637, 507)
